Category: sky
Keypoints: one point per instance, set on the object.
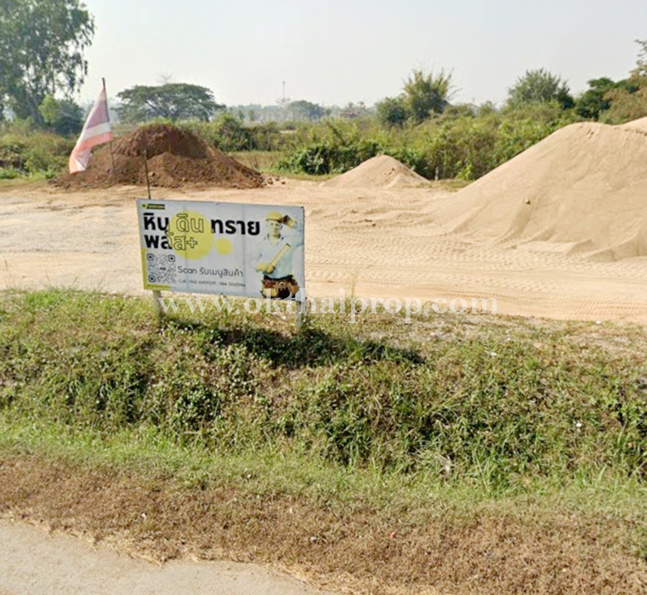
(333, 52)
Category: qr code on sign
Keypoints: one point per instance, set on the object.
(161, 269)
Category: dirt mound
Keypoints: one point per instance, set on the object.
(581, 190)
(378, 172)
(174, 157)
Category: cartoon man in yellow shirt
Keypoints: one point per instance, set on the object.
(276, 256)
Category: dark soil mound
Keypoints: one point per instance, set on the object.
(174, 157)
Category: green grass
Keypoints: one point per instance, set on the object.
(32, 154)
(148, 452)
(268, 162)
(488, 402)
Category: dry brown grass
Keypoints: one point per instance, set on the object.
(535, 546)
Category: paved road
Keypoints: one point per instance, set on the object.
(34, 563)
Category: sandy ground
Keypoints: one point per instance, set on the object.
(35, 563)
(369, 243)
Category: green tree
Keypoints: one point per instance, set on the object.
(173, 101)
(352, 111)
(625, 106)
(41, 52)
(426, 94)
(392, 111)
(640, 72)
(306, 110)
(62, 116)
(540, 86)
(597, 98)
(628, 99)
(592, 101)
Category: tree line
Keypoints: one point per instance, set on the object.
(428, 95)
(42, 66)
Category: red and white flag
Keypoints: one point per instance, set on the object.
(96, 131)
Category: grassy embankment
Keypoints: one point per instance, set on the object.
(472, 454)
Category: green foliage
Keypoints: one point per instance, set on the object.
(426, 94)
(305, 110)
(392, 111)
(353, 111)
(171, 101)
(462, 148)
(41, 51)
(458, 144)
(486, 109)
(329, 158)
(640, 72)
(63, 117)
(228, 133)
(625, 106)
(628, 99)
(28, 152)
(540, 86)
(501, 402)
(332, 147)
(462, 110)
(461, 141)
(602, 94)
(423, 96)
(593, 101)
(9, 173)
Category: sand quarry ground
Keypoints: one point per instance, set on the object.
(559, 231)
(373, 242)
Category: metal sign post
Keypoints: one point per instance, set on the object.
(157, 294)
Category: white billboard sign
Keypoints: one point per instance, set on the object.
(225, 248)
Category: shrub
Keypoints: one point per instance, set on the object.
(329, 158)
(229, 134)
(462, 143)
(31, 152)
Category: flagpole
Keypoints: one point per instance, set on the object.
(148, 182)
(112, 154)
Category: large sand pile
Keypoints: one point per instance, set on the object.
(583, 189)
(640, 124)
(378, 172)
(174, 157)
